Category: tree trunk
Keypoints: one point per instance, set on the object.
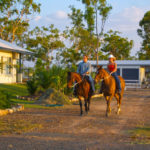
(97, 37)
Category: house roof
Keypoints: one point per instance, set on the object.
(4, 45)
(123, 62)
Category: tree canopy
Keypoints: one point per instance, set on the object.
(144, 33)
(118, 46)
(43, 41)
(15, 16)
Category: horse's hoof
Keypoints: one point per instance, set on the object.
(118, 112)
(108, 114)
(86, 112)
(81, 114)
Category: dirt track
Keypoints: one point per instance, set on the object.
(64, 129)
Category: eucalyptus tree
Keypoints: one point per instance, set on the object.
(43, 41)
(144, 33)
(93, 10)
(15, 16)
(119, 46)
(81, 41)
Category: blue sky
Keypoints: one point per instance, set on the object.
(124, 17)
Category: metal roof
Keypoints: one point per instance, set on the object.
(4, 45)
(122, 62)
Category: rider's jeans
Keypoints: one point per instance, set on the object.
(92, 83)
(117, 80)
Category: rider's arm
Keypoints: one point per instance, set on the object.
(114, 69)
(87, 71)
(79, 68)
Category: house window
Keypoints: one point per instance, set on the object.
(1, 64)
(131, 74)
(8, 65)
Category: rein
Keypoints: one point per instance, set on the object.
(77, 82)
(105, 78)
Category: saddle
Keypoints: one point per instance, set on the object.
(84, 78)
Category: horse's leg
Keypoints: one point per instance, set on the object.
(89, 98)
(80, 103)
(117, 96)
(86, 108)
(108, 100)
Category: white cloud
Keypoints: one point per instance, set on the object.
(127, 22)
(61, 15)
(133, 14)
(59, 19)
(37, 18)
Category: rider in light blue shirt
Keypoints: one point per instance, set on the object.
(84, 68)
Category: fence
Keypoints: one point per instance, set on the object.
(133, 84)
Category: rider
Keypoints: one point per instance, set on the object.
(112, 68)
(84, 69)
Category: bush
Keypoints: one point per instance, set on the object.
(43, 79)
(4, 100)
(32, 86)
(55, 77)
(52, 96)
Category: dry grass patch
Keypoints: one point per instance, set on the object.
(140, 135)
(17, 126)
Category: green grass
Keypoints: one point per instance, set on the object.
(15, 89)
(140, 135)
(20, 90)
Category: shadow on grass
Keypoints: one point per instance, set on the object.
(14, 89)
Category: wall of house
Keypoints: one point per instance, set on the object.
(8, 61)
(142, 74)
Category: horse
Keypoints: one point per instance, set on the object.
(82, 89)
(109, 88)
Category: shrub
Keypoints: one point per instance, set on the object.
(4, 100)
(32, 85)
(43, 79)
(52, 96)
(55, 77)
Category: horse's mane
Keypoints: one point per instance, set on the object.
(101, 68)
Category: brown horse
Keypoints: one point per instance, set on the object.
(109, 88)
(82, 89)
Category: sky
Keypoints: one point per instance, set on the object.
(124, 16)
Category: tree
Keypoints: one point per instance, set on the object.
(43, 41)
(14, 18)
(144, 33)
(81, 36)
(118, 46)
(93, 9)
(80, 39)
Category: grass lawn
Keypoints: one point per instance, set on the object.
(19, 90)
(15, 89)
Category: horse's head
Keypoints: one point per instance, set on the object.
(100, 74)
(70, 80)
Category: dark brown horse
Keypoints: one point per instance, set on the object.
(109, 88)
(82, 89)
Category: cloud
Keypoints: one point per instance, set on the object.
(128, 19)
(59, 19)
(37, 18)
(133, 14)
(127, 22)
(61, 15)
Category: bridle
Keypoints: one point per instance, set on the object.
(105, 78)
(78, 82)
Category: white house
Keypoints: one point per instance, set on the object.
(10, 62)
(133, 71)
